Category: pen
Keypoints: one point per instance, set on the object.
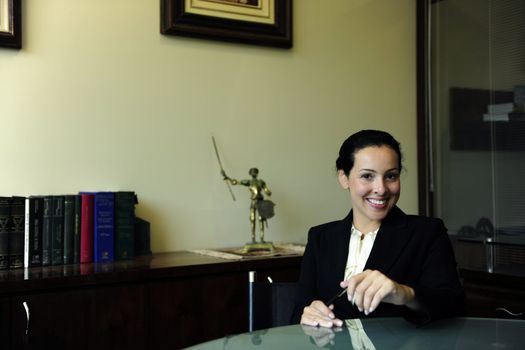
(338, 295)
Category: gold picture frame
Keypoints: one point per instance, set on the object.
(10, 23)
(257, 22)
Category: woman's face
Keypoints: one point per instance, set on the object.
(374, 185)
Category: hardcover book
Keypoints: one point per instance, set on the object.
(46, 230)
(16, 232)
(76, 230)
(86, 227)
(69, 228)
(57, 231)
(5, 209)
(142, 237)
(33, 231)
(124, 225)
(104, 227)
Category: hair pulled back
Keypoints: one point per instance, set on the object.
(363, 139)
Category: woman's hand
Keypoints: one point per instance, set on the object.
(369, 288)
(318, 314)
(320, 335)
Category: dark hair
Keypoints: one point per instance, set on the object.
(363, 139)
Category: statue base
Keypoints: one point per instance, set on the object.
(253, 246)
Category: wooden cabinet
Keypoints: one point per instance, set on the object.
(5, 322)
(498, 294)
(196, 308)
(494, 295)
(110, 317)
(182, 309)
(166, 301)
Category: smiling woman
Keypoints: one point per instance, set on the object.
(385, 262)
(10, 23)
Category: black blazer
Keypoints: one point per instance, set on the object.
(409, 249)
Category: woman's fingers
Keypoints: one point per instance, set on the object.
(377, 298)
(367, 289)
(357, 286)
(318, 314)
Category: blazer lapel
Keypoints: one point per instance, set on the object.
(388, 245)
(340, 249)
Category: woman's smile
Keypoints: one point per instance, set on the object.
(377, 203)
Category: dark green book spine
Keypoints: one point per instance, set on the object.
(76, 230)
(57, 231)
(5, 209)
(17, 233)
(35, 226)
(69, 228)
(124, 225)
(46, 230)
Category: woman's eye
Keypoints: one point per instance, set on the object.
(366, 176)
(392, 177)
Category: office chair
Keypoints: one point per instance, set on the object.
(270, 304)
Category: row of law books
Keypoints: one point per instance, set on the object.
(67, 229)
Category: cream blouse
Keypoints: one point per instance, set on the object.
(359, 250)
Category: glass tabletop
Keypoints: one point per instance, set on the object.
(383, 333)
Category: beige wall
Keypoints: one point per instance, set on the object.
(97, 99)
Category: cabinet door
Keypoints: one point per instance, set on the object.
(191, 310)
(187, 311)
(494, 301)
(5, 324)
(88, 318)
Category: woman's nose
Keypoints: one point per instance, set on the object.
(379, 186)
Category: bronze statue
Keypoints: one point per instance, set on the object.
(261, 209)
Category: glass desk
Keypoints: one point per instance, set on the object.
(383, 333)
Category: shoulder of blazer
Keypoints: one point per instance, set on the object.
(396, 231)
(331, 230)
(330, 243)
(398, 219)
(424, 226)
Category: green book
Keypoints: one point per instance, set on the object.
(33, 235)
(17, 232)
(125, 225)
(46, 230)
(69, 228)
(57, 231)
(5, 209)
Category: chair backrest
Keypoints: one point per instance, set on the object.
(271, 304)
(283, 302)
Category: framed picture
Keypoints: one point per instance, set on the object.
(10, 23)
(258, 22)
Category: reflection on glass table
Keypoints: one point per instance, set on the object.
(383, 333)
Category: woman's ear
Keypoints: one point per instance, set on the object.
(343, 179)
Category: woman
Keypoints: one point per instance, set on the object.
(390, 263)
